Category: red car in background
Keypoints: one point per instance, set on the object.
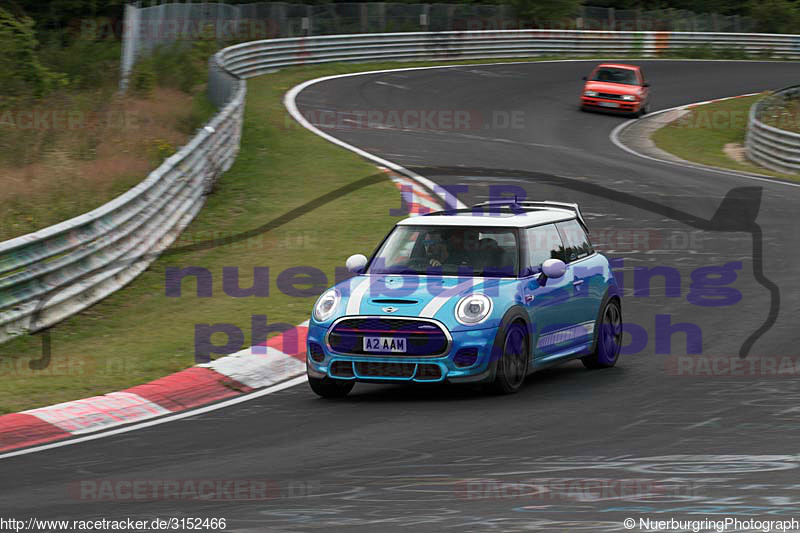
(616, 87)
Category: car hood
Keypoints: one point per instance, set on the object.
(613, 88)
(419, 296)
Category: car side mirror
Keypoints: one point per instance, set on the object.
(645, 84)
(356, 263)
(584, 78)
(554, 268)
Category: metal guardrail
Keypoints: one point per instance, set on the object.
(166, 23)
(767, 145)
(56, 272)
(51, 274)
(257, 57)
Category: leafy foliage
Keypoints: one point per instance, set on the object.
(22, 74)
(775, 16)
(553, 10)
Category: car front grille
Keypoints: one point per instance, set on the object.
(610, 96)
(380, 369)
(423, 338)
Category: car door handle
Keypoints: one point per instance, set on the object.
(577, 282)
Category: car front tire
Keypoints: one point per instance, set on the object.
(330, 388)
(609, 337)
(512, 365)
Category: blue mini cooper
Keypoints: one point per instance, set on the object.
(480, 295)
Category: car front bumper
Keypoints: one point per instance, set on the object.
(606, 104)
(455, 366)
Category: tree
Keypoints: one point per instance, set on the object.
(547, 10)
(775, 16)
(22, 75)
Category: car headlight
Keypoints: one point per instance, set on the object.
(590, 93)
(473, 309)
(326, 305)
(628, 97)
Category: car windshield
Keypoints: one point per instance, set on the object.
(448, 251)
(615, 75)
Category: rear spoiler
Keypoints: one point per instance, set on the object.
(543, 204)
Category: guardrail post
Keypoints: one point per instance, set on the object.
(382, 15)
(130, 44)
(364, 15)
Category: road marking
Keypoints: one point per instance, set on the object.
(396, 86)
(169, 418)
(701, 424)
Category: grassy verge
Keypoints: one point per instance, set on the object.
(781, 112)
(87, 139)
(701, 135)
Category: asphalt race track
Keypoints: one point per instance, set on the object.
(659, 442)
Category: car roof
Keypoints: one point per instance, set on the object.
(485, 216)
(618, 65)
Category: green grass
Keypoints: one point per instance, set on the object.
(700, 135)
(68, 163)
(782, 113)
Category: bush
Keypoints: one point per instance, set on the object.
(775, 16)
(731, 52)
(22, 75)
(143, 78)
(86, 63)
(554, 10)
(701, 51)
(201, 110)
(181, 66)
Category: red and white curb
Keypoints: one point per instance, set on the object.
(279, 359)
(415, 197)
(695, 104)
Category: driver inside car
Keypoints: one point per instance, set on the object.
(440, 251)
(435, 250)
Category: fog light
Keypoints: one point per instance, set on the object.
(315, 352)
(466, 357)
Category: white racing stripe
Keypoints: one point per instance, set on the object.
(438, 301)
(356, 295)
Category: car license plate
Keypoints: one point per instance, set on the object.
(608, 104)
(385, 344)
